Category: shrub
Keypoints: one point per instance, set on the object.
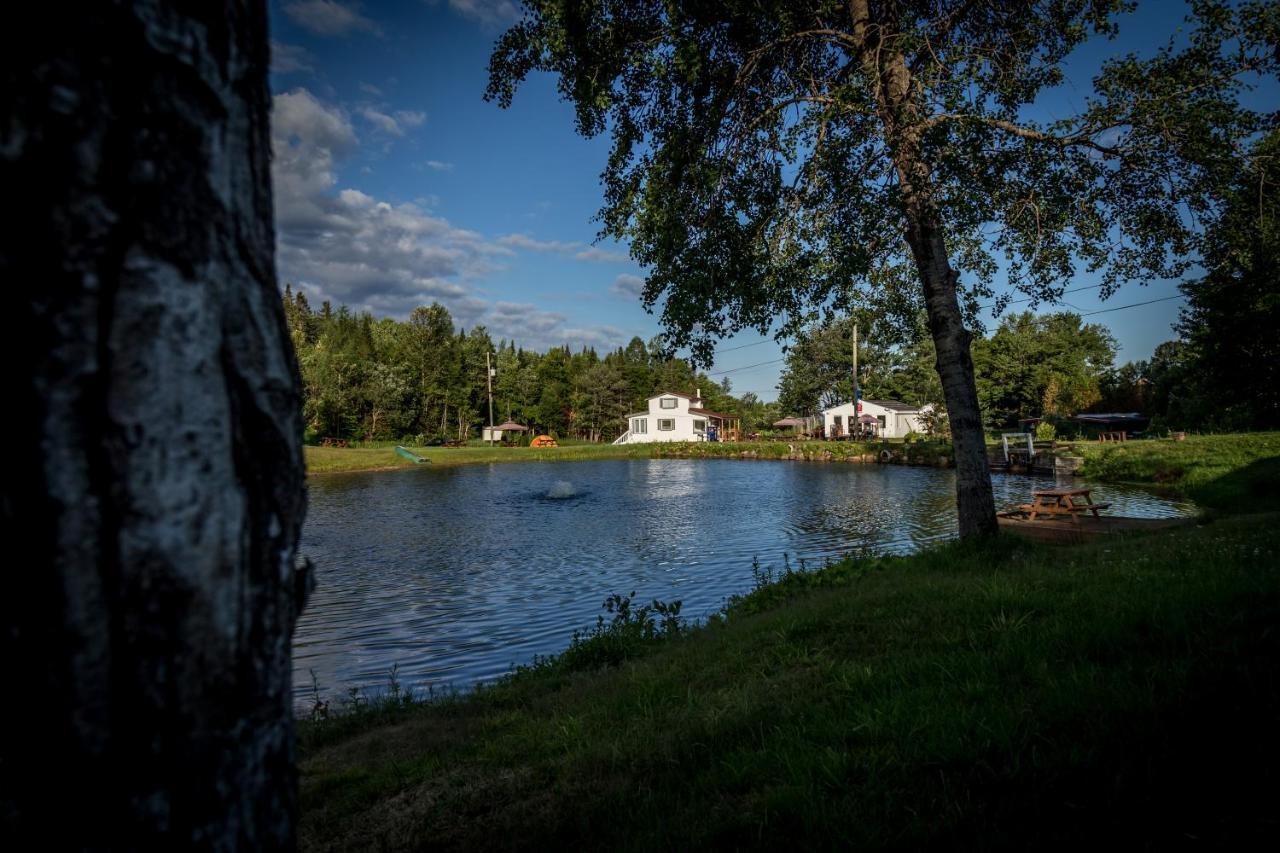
(1046, 431)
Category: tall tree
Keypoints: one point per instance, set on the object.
(1233, 311)
(154, 509)
(766, 154)
(1051, 364)
(819, 366)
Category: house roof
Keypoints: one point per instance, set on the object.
(1110, 417)
(638, 415)
(894, 405)
(891, 405)
(674, 394)
(710, 413)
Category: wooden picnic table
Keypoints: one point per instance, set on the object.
(1060, 502)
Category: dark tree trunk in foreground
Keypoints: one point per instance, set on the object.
(154, 489)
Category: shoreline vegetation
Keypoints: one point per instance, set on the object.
(998, 694)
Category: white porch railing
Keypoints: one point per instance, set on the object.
(622, 439)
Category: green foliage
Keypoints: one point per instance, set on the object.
(1032, 365)
(628, 633)
(1233, 312)
(819, 365)
(1037, 365)
(1237, 473)
(423, 382)
(755, 165)
(1046, 431)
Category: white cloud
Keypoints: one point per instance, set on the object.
(371, 89)
(328, 18)
(627, 286)
(524, 241)
(392, 123)
(595, 253)
(381, 121)
(570, 248)
(290, 58)
(439, 165)
(493, 13)
(534, 327)
(346, 246)
(410, 118)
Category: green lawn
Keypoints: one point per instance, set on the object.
(1236, 472)
(996, 696)
(327, 460)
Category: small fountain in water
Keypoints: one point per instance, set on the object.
(560, 490)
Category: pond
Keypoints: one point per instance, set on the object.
(454, 574)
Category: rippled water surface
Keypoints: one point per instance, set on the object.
(454, 574)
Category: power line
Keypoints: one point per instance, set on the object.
(742, 346)
(744, 367)
(1077, 290)
(1134, 305)
(1029, 298)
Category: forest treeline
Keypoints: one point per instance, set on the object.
(422, 379)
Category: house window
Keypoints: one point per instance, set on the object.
(880, 418)
(668, 403)
(699, 426)
(640, 425)
(837, 420)
(666, 424)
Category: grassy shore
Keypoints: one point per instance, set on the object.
(1002, 696)
(1236, 473)
(329, 460)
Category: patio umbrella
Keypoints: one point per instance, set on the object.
(511, 426)
(789, 422)
(867, 419)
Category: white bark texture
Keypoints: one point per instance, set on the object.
(155, 494)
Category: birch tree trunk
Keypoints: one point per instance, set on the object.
(900, 115)
(975, 501)
(155, 489)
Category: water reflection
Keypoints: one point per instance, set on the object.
(453, 574)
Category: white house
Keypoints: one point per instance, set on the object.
(678, 417)
(893, 419)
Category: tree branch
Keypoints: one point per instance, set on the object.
(1081, 138)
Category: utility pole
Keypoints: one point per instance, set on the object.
(488, 378)
(856, 399)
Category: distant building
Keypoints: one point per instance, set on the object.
(679, 417)
(889, 418)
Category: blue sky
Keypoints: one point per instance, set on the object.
(397, 185)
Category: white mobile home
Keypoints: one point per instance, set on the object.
(886, 418)
(678, 417)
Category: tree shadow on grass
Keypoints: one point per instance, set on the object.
(1253, 488)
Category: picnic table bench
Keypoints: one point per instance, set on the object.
(1062, 502)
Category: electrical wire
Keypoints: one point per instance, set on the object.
(1077, 290)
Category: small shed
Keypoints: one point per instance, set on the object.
(495, 433)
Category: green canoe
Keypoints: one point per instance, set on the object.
(409, 454)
